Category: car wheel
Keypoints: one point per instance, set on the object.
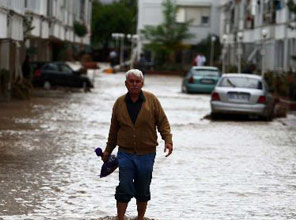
(86, 87)
(215, 116)
(47, 85)
(184, 89)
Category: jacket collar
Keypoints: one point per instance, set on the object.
(141, 97)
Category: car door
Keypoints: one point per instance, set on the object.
(70, 78)
(50, 72)
(65, 74)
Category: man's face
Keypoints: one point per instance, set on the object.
(134, 84)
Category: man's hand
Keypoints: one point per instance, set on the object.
(168, 147)
(105, 156)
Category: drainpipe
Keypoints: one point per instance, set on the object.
(286, 41)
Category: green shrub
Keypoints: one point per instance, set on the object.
(4, 81)
(283, 84)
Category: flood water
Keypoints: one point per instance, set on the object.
(224, 169)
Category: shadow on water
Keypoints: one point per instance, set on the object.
(126, 218)
(234, 117)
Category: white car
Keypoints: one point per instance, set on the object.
(242, 94)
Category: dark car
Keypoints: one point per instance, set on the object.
(60, 74)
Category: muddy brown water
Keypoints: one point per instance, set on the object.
(225, 169)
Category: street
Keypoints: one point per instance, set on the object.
(222, 169)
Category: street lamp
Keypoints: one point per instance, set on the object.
(120, 37)
(133, 38)
(240, 37)
(224, 52)
(264, 34)
(213, 39)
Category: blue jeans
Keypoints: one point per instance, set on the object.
(135, 174)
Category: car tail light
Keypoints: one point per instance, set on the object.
(215, 96)
(37, 73)
(191, 79)
(261, 99)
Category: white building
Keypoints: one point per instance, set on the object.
(203, 13)
(39, 27)
(266, 39)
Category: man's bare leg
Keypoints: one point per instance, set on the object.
(141, 207)
(121, 209)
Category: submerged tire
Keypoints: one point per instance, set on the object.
(47, 85)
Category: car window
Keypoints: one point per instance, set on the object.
(241, 82)
(206, 72)
(65, 69)
(51, 67)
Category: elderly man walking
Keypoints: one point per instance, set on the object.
(135, 117)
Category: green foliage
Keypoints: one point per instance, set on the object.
(79, 29)
(28, 26)
(283, 84)
(117, 17)
(165, 39)
(21, 90)
(292, 6)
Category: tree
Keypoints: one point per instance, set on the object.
(165, 39)
(292, 7)
(116, 17)
(79, 29)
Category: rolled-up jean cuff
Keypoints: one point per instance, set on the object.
(142, 199)
(122, 200)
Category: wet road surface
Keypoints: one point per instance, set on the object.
(224, 169)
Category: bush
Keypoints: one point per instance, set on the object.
(283, 84)
(21, 90)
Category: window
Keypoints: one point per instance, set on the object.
(241, 82)
(51, 67)
(197, 15)
(65, 69)
(206, 72)
(205, 20)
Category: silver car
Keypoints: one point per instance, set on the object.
(242, 94)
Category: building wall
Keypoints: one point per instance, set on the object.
(253, 18)
(204, 13)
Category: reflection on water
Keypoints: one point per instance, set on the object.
(219, 169)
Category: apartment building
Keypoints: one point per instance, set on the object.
(39, 27)
(205, 15)
(258, 32)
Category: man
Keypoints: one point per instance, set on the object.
(200, 59)
(135, 117)
(141, 65)
(113, 57)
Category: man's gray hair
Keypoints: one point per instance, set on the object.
(135, 72)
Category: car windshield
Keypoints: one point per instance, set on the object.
(241, 82)
(205, 72)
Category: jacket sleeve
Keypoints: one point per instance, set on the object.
(162, 123)
(114, 127)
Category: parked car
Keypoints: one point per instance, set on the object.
(36, 66)
(242, 94)
(201, 79)
(60, 74)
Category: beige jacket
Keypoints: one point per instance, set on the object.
(141, 137)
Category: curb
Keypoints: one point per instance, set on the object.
(290, 105)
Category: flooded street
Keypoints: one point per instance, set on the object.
(224, 169)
